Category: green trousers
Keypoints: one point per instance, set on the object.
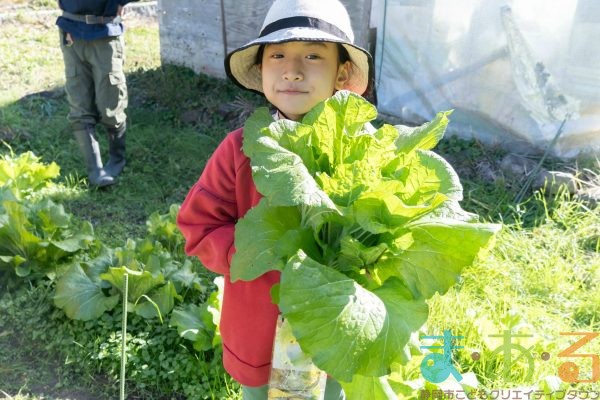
(95, 81)
(333, 391)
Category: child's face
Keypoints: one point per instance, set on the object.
(298, 75)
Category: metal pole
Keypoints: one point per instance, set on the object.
(124, 334)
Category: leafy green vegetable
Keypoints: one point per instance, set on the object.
(195, 323)
(365, 226)
(25, 174)
(81, 296)
(140, 282)
(281, 234)
(38, 239)
(156, 282)
(162, 227)
(200, 324)
(275, 159)
(346, 328)
(431, 254)
(366, 387)
(157, 303)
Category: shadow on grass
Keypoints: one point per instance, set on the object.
(176, 118)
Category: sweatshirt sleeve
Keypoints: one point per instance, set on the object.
(209, 212)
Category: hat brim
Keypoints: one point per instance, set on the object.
(241, 67)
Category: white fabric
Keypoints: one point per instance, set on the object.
(331, 11)
(511, 70)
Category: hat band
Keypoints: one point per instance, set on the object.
(304, 22)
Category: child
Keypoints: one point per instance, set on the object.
(303, 55)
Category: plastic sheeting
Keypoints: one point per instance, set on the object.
(513, 71)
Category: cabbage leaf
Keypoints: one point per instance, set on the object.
(364, 224)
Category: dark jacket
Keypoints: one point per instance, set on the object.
(81, 30)
(107, 8)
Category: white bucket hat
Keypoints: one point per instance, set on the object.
(306, 20)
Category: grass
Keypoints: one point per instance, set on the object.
(541, 278)
(538, 281)
(29, 370)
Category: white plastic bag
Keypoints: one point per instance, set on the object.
(293, 374)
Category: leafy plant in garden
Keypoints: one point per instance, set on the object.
(162, 227)
(25, 174)
(156, 281)
(38, 238)
(200, 324)
(365, 226)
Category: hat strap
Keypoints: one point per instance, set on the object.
(304, 22)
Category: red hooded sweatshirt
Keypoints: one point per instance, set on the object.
(222, 195)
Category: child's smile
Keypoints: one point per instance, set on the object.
(297, 75)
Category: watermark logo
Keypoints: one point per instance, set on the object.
(569, 371)
(506, 349)
(437, 367)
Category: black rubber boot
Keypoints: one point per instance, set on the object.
(90, 150)
(116, 152)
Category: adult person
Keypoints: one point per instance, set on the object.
(91, 40)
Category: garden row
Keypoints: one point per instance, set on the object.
(173, 336)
